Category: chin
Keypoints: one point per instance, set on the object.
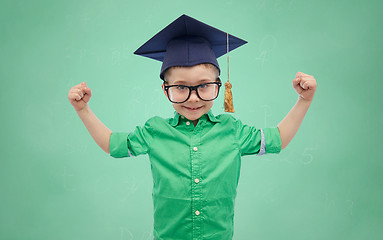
(193, 114)
(190, 113)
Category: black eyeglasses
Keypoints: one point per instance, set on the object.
(181, 93)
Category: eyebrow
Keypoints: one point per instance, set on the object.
(199, 82)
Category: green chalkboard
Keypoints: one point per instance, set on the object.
(56, 183)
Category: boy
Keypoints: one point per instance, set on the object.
(195, 156)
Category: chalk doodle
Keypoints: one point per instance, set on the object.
(267, 44)
(308, 156)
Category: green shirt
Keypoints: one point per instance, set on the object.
(195, 170)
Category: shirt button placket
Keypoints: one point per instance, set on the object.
(196, 188)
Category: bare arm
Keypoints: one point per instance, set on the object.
(99, 132)
(289, 126)
(79, 97)
(305, 85)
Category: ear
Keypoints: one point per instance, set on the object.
(163, 88)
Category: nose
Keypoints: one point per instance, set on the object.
(193, 96)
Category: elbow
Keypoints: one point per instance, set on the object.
(284, 140)
(284, 143)
(106, 150)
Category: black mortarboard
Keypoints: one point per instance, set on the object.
(188, 42)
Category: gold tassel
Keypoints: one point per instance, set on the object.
(229, 107)
(228, 98)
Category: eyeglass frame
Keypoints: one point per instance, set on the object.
(191, 88)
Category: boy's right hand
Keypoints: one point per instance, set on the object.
(79, 96)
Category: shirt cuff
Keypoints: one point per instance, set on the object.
(118, 145)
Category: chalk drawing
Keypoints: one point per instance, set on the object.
(309, 157)
(129, 188)
(125, 233)
(350, 206)
(267, 44)
(148, 235)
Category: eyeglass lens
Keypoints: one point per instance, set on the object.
(205, 92)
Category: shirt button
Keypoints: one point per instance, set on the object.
(197, 212)
(188, 123)
(196, 180)
(195, 149)
(182, 117)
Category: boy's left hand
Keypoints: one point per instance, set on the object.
(305, 85)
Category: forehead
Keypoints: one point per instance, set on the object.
(191, 75)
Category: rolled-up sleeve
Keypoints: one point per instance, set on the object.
(118, 145)
(253, 140)
(272, 140)
(123, 144)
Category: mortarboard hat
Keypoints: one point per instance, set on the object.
(188, 42)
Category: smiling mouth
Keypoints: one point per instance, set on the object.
(193, 109)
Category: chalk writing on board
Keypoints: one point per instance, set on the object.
(350, 206)
(136, 95)
(148, 235)
(125, 233)
(308, 156)
(294, 156)
(267, 44)
(129, 188)
(286, 156)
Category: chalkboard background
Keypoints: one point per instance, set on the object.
(56, 183)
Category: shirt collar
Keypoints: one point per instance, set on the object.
(209, 115)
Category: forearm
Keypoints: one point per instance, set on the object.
(289, 126)
(99, 132)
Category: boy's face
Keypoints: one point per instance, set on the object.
(194, 107)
